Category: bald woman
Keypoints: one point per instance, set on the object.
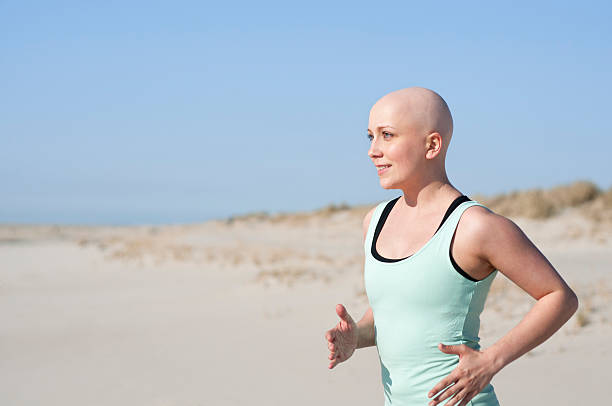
(431, 255)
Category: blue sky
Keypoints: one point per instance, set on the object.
(152, 113)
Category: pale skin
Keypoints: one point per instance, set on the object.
(410, 130)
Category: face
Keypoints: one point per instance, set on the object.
(396, 143)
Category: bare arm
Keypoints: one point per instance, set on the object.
(365, 328)
(347, 336)
(509, 250)
(546, 317)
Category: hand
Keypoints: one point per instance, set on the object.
(342, 339)
(474, 371)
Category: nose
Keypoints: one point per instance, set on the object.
(374, 150)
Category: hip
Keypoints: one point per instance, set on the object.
(418, 397)
(409, 385)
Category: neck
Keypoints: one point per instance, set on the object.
(429, 193)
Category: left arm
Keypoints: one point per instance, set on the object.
(501, 243)
(509, 250)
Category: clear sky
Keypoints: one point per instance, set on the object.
(152, 112)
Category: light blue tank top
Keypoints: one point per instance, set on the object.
(418, 302)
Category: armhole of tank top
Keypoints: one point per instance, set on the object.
(450, 245)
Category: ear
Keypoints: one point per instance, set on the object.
(433, 143)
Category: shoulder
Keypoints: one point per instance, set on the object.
(368, 217)
(366, 221)
(500, 242)
(488, 231)
(478, 218)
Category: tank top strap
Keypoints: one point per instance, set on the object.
(372, 226)
(450, 225)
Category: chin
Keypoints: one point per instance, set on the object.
(387, 185)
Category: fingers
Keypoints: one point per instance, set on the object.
(330, 335)
(441, 385)
(467, 399)
(335, 360)
(332, 350)
(459, 397)
(459, 394)
(334, 355)
(342, 313)
(444, 395)
(457, 349)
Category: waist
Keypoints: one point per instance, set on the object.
(421, 339)
(409, 376)
(403, 393)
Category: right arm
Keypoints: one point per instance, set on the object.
(365, 330)
(347, 336)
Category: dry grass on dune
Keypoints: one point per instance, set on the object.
(295, 218)
(273, 258)
(600, 208)
(545, 203)
(594, 203)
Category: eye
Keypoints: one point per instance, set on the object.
(384, 133)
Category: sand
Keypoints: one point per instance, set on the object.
(234, 313)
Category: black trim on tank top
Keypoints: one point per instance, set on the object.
(383, 218)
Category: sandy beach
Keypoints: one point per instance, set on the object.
(234, 311)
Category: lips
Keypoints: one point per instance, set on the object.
(382, 168)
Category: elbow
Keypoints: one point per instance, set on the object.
(572, 301)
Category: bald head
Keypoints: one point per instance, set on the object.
(421, 110)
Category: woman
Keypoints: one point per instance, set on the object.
(431, 255)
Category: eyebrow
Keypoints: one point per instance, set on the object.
(382, 126)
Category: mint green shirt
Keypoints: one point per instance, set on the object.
(418, 302)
